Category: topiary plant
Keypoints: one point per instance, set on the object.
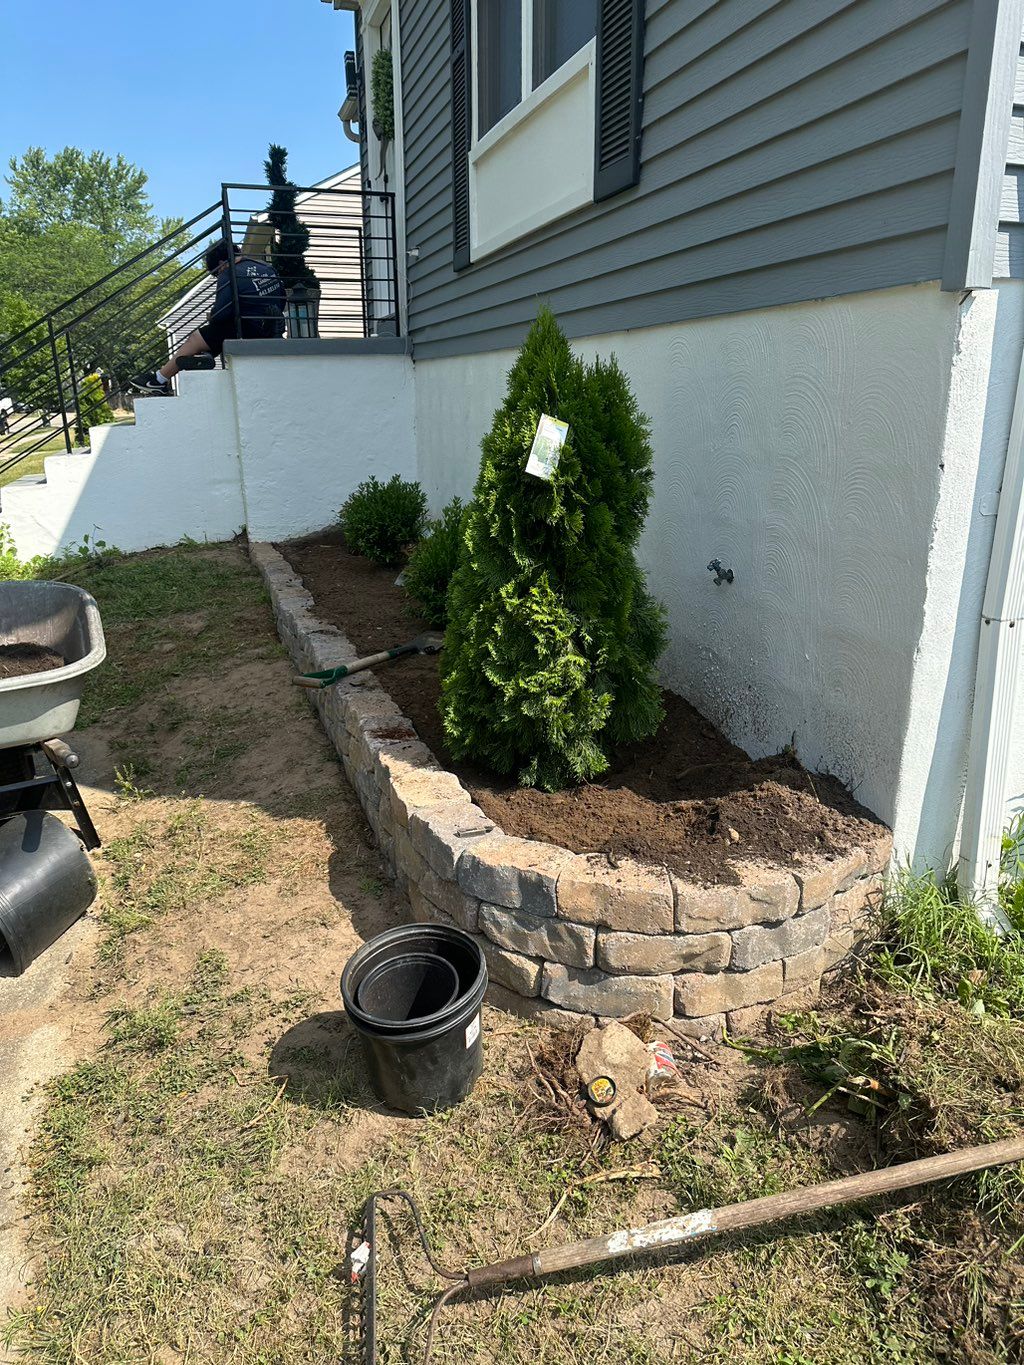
(552, 634)
(382, 94)
(381, 520)
(432, 563)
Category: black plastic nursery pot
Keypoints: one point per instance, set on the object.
(414, 996)
(46, 883)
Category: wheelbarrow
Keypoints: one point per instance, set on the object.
(46, 878)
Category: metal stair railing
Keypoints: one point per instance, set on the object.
(127, 323)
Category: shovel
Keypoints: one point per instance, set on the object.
(671, 1232)
(431, 643)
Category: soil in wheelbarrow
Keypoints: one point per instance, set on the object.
(686, 798)
(25, 656)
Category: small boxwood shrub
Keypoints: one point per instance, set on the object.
(381, 520)
(433, 562)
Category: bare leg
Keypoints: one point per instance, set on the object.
(194, 345)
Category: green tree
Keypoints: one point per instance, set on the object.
(291, 237)
(552, 634)
(89, 190)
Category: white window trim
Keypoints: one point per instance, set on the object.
(532, 99)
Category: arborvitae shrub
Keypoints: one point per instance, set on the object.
(381, 520)
(552, 635)
(432, 563)
(93, 408)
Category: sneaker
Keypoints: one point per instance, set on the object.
(151, 384)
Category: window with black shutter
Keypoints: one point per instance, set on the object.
(511, 62)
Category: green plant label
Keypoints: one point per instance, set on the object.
(546, 450)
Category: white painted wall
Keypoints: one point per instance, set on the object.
(173, 474)
(804, 447)
(273, 443)
(311, 428)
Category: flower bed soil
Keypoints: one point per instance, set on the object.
(677, 800)
(25, 656)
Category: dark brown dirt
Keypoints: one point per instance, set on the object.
(686, 798)
(25, 656)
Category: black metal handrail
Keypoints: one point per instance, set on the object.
(125, 323)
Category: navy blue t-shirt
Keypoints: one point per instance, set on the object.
(261, 296)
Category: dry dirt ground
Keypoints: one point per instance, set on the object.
(187, 1137)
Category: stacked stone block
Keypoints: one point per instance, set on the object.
(567, 936)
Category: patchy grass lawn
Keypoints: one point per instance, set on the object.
(196, 1174)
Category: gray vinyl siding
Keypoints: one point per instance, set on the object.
(1009, 262)
(792, 149)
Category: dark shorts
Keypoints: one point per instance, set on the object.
(218, 331)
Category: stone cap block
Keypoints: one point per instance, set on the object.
(517, 873)
(762, 896)
(441, 834)
(652, 954)
(537, 936)
(615, 997)
(821, 880)
(627, 895)
(697, 994)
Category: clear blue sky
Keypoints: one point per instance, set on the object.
(192, 91)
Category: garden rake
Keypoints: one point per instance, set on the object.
(430, 643)
(670, 1232)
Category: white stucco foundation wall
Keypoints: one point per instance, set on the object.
(173, 474)
(310, 428)
(828, 454)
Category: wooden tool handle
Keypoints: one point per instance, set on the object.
(346, 670)
(774, 1208)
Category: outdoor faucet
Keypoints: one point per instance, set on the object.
(721, 575)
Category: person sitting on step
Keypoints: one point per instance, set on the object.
(261, 300)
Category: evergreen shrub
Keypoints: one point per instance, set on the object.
(93, 408)
(381, 520)
(432, 563)
(552, 638)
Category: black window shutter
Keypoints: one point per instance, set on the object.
(462, 130)
(620, 63)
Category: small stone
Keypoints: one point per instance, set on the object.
(615, 1051)
(734, 835)
(512, 970)
(759, 944)
(632, 1117)
(556, 940)
(651, 954)
(698, 994)
(615, 997)
(438, 833)
(628, 896)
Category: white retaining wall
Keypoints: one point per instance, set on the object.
(273, 444)
(310, 428)
(829, 454)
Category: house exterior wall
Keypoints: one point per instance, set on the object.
(1009, 263)
(790, 151)
(830, 454)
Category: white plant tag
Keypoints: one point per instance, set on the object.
(473, 1032)
(546, 450)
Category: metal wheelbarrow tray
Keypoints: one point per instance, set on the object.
(39, 706)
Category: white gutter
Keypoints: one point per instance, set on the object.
(996, 685)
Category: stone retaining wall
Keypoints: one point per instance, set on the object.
(569, 936)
